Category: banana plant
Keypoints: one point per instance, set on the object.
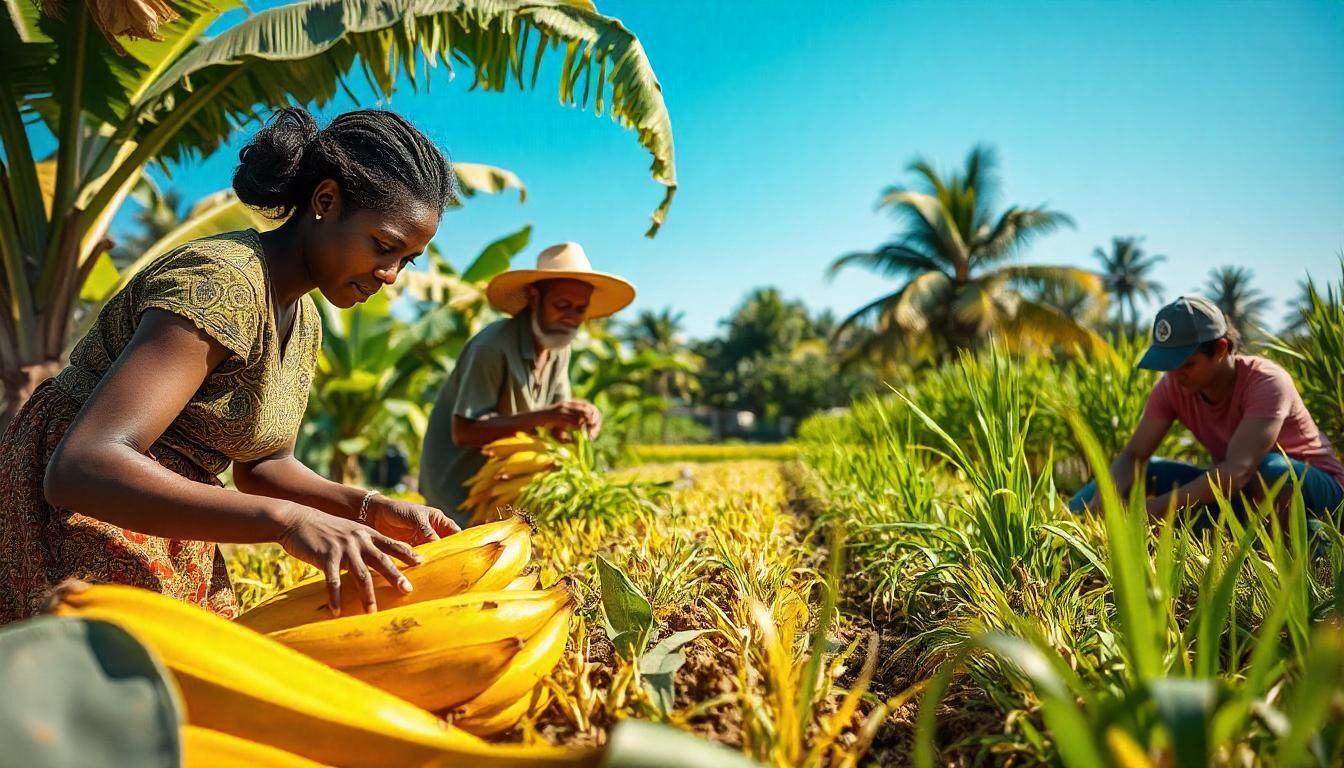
(111, 106)
(378, 374)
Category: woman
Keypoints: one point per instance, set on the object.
(109, 472)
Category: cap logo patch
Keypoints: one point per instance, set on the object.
(1162, 331)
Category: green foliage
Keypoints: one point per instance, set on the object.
(957, 288)
(652, 454)
(1094, 640)
(1127, 271)
(1104, 389)
(774, 359)
(374, 378)
(626, 386)
(1315, 357)
(113, 107)
(627, 613)
(578, 489)
(669, 430)
(1245, 306)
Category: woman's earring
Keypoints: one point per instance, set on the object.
(317, 216)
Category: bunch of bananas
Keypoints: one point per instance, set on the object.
(471, 643)
(510, 464)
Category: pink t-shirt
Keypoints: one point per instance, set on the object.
(1263, 389)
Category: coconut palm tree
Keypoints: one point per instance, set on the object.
(1300, 308)
(114, 105)
(1126, 271)
(661, 330)
(1076, 301)
(1244, 305)
(952, 257)
(160, 213)
(661, 333)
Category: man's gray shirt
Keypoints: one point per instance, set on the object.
(493, 375)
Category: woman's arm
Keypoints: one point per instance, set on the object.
(285, 477)
(101, 467)
(282, 476)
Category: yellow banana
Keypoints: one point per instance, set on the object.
(306, 602)
(507, 446)
(511, 562)
(440, 681)
(473, 498)
(537, 459)
(452, 565)
(528, 580)
(425, 629)
(204, 748)
(244, 684)
(509, 488)
(506, 718)
(512, 469)
(485, 474)
(539, 656)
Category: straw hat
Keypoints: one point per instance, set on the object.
(507, 292)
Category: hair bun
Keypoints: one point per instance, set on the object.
(273, 161)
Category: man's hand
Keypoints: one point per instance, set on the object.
(592, 420)
(409, 522)
(576, 414)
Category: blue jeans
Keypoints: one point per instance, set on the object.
(1321, 492)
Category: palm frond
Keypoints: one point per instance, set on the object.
(935, 229)
(1048, 327)
(306, 53)
(1038, 276)
(1015, 229)
(475, 178)
(890, 260)
(981, 175)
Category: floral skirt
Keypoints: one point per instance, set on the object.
(42, 545)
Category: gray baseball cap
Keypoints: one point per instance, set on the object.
(1179, 329)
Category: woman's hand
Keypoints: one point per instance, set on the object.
(409, 522)
(331, 543)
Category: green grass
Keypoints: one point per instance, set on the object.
(1048, 638)
(656, 454)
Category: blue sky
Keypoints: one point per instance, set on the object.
(1214, 130)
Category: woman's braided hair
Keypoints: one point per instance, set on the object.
(377, 157)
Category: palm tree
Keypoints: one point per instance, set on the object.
(957, 288)
(661, 333)
(1126, 271)
(114, 106)
(1300, 308)
(1243, 304)
(160, 213)
(661, 330)
(1076, 301)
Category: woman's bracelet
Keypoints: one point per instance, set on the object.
(364, 507)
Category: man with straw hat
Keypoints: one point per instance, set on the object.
(513, 376)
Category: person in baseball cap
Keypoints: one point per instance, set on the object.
(1244, 409)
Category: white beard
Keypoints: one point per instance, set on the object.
(551, 341)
